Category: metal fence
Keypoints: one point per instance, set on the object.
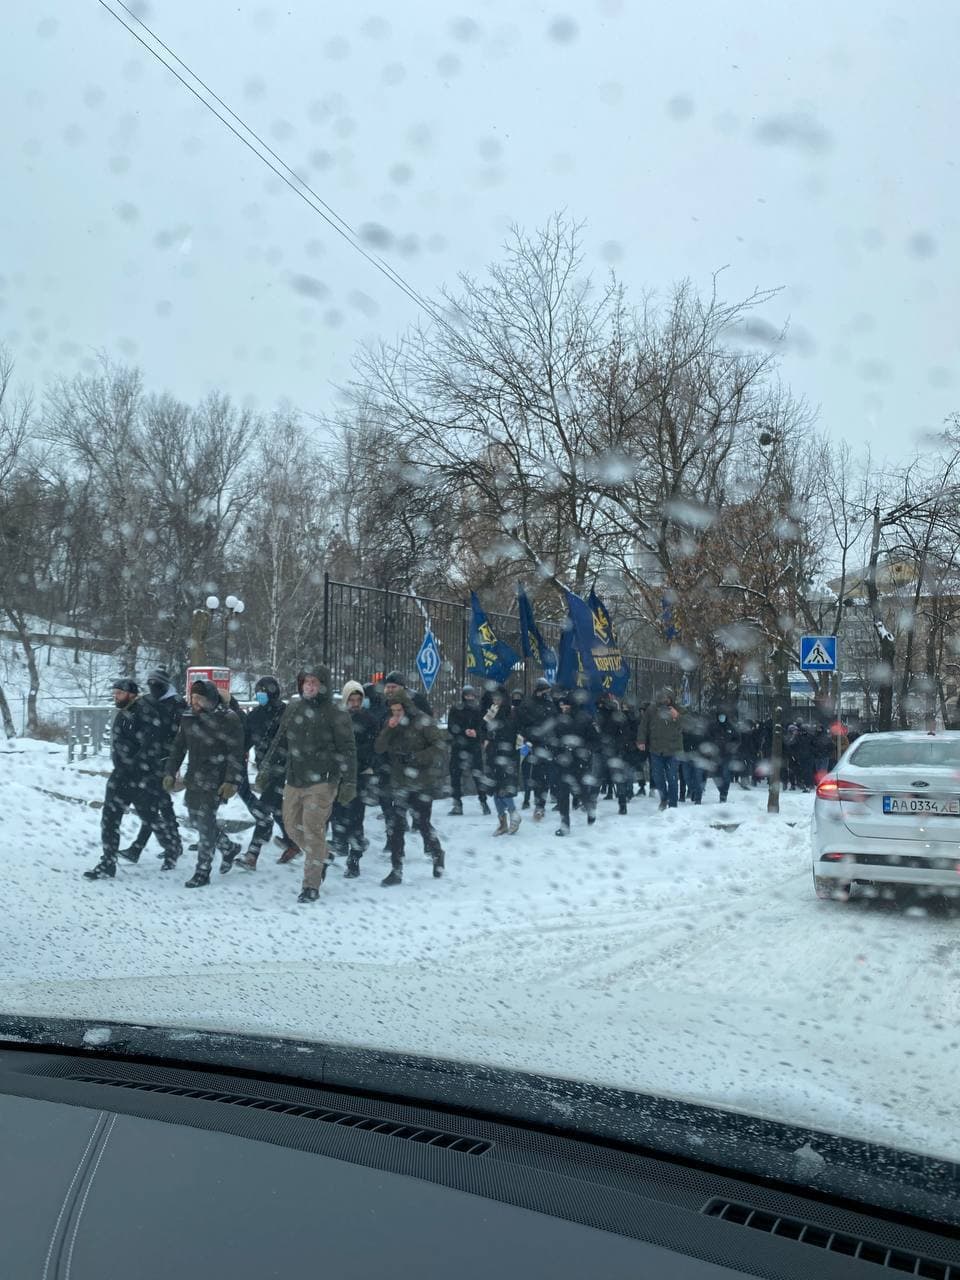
(369, 630)
(89, 731)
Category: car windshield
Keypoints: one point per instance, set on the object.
(467, 473)
(897, 753)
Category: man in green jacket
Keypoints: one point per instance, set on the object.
(661, 733)
(321, 767)
(413, 746)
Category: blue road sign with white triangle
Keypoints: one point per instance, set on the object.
(818, 653)
(428, 661)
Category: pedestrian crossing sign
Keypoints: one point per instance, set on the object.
(818, 653)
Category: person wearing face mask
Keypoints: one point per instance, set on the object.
(413, 746)
(465, 729)
(211, 739)
(535, 718)
(320, 768)
(347, 819)
(132, 784)
(722, 751)
(162, 709)
(501, 727)
(261, 724)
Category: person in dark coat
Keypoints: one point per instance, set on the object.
(162, 709)
(467, 733)
(131, 784)
(617, 730)
(721, 751)
(347, 819)
(261, 724)
(804, 756)
(501, 733)
(534, 720)
(413, 746)
(525, 762)
(638, 759)
(211, 739)
(822, 744)
(575, 742)
(692, 762)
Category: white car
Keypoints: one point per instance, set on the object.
(889, 814)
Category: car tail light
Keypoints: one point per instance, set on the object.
(831, 788)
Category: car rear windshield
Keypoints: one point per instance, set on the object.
(909, 751)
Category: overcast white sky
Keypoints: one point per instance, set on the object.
(810, 146)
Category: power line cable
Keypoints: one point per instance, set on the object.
(299, 187)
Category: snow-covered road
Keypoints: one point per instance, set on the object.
(682, 953)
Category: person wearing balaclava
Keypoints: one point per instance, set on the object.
(210, 738)
(132, 784)
(261, 724)
(721, 750)
(162, 709)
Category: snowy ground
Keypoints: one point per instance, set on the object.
(660, 953)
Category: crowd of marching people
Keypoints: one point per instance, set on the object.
(322, 760)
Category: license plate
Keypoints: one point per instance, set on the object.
(922, 804)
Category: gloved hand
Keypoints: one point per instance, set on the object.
(524, 750)
(227, 791)
(347, 793)
(169, 783)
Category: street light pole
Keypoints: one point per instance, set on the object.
(233, 607)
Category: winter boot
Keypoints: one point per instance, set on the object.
(622, 809)
(102, 871)
(353, 867)
(437, 869)
(249, 860)
(198, 880)
(538, 815)
(591, 819)
(228, 858)
(456, 810)
(308, 895)
(502, 827)
(562, 831)
(484, 807)
(515, 821)
(395, 877)
(290, 852)
(168, 863)
(131, 854)
(526, 800)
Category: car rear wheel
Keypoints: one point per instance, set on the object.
(827, 888)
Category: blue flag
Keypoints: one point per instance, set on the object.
(569, 665)
(614, 665)
(531, 641)
(589, 655)
(488, 658)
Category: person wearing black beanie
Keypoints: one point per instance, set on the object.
(133, 783)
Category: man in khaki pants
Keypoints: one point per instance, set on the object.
(321, 767)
